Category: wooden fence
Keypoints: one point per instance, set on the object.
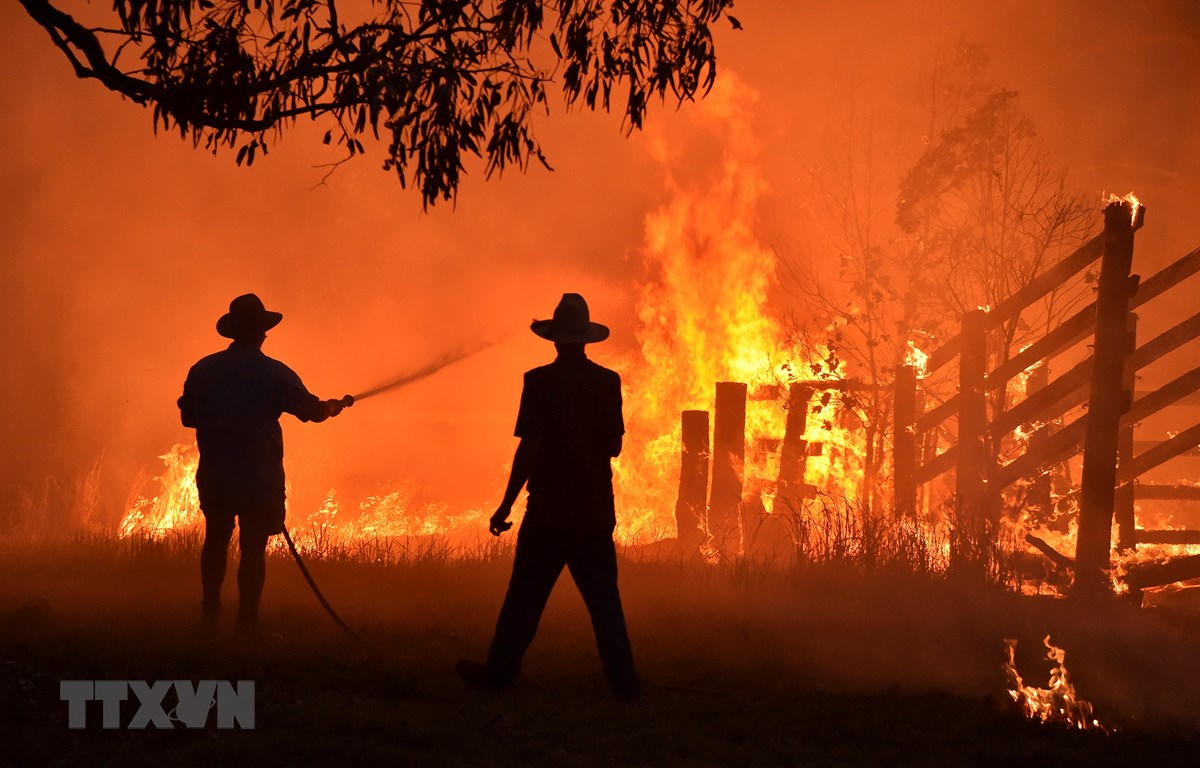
(718, 504)
(1112, 461)
(712, 492)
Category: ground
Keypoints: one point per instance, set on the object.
(743, 666)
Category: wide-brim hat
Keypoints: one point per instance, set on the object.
(571, 323)
(247, 317)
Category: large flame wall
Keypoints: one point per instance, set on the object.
(122, 248)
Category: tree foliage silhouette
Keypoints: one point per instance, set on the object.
(437, 80)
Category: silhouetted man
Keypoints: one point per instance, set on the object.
(570, 426)
(234, 399)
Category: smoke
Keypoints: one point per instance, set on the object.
(123, 248)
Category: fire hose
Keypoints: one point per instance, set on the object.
(325, 603)
(408, 378)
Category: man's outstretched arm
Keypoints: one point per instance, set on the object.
(304, 405)
(522, 464)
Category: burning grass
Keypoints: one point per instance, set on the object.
(1058, 702)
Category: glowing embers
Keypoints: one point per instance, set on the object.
(1059, 703)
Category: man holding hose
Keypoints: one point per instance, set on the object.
(234, 399)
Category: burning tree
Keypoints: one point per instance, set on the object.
(441, 79)
(977, 215)
(989, 211)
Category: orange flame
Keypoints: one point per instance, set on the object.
(917, 359)
(1059, 703)
(393, 512)
(1135, 205)
(177, 504)
(705, 318)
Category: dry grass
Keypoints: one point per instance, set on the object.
(847, 656)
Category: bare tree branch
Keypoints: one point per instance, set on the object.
(446, 80)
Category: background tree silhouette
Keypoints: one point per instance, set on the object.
(980, 210)
(436, 79)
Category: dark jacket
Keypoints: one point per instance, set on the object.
(573, 408)
(234, 399)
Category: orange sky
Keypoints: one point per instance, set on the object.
(121, 248)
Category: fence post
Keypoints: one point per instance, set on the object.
(793, 454)
(1039, 497)
(729, 459)
(1093, 549)
(972, 471)
(693, 480)
(1123, 499)
(904, 442)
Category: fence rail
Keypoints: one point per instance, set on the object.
(712, 490)
(1113, 461)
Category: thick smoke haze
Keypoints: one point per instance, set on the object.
(122, 248)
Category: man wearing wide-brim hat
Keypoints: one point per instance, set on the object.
(234, 399)
(570, 426)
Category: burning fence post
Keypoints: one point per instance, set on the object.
(793, 454)
(1123, 497)
(693, 480)
(1146, 575)
(729, 458)
(904, 449)
(972, 470)
(1108, 402)
(1040, 496)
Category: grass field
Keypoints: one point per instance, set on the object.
(818, 665)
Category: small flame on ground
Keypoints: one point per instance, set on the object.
(177, 504)
(395, 511)
(1058, 703)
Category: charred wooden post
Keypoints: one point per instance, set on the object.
(1179, 445)
(793, 455)
(1038, 287)
(1146, 575)
(1060, 395)
(1060, 560)
(1179, 391)
(1166, 493)
(693, 480)
(1040, 497)
(904, 447)
(925, 444)
(1123, 497)
(1106, 406)
(1174, 537)
(728, 463)
(972, 468)
(928, 441)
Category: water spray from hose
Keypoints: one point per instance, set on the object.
(446, 360)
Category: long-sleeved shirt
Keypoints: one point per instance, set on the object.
(234, 399)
